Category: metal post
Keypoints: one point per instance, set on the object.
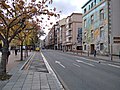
(88, 49)
(110, 37)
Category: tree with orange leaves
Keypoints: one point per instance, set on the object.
(14, 18)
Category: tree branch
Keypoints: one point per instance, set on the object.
(16, 32)
(2, 38)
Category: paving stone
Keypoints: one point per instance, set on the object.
(35, 86)
(26, 88)
(27, 82)
(45, 88)
(52, 86)
(10, 83)
(7, 88)
(16, 88)
(36, 83)
(33, 80)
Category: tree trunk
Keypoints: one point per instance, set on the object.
(4, 59)
(21, 58)
(26, 51)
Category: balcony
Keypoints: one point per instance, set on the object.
(69, 42)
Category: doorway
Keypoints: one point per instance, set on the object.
(92, 48)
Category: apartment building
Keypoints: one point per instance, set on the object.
(100, 26)
(114, 11)
(46, 42)
(66, 34)
(51, 38)
(95, 26)
(73, 25)
(61, 34)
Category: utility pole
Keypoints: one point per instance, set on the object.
(110, 29)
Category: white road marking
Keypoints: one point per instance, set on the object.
(114, 65)
(85, 63)
(76, 65)
(58, 62)
(89, 59)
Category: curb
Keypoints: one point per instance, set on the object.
(50, 70)
(28, 60)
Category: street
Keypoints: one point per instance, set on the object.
(79, 73)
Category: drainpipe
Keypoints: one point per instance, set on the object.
(110, 37)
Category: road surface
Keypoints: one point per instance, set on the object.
(79, 73)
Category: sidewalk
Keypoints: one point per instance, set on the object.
(14, 64)
(31, 79)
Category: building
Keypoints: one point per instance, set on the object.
(61, 34)
(100, 26)
(114, 10)
(73, 25)
(51, 38)
(95, 26)
(66, 34)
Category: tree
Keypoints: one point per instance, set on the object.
(14, 17)
(25, 36)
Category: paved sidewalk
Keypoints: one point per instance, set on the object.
(13, 66)
(30, 79)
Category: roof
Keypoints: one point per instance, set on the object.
(86, 3)
(74, 14)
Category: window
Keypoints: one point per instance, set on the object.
(85, 23)
(95, 2)
(69, 33)
(85, 35)
(101, 32)
(92, 19)
(79, 36)
(69, 25)
(101, 46)
(84, 47)
(85, 10)
(89, 7)
(92, 34)
(91, 4)
(101, 14)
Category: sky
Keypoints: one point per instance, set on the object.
(67, 7)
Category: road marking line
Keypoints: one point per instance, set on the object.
(58, 62)
(76, 65)
(114, 65)
(89, 59)
(85, 63)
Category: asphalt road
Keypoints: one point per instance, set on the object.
(79, 73)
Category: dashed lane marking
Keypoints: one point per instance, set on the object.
(76, 65)
(114, 65)
(58, 62)
(85, 63)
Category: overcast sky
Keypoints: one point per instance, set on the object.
(67, 7)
